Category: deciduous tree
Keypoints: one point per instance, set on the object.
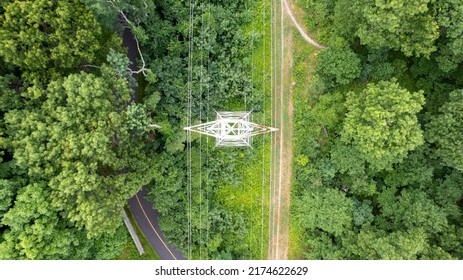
(46, 38)
(409, 26)
(444, 131)
(338, 66)
(381, 123)
(327, 209)
(91, 163)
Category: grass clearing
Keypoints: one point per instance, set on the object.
(249, 195)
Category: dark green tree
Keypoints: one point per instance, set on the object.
(338, 66)
(48, 38)
(444, 131)
(327, 209)
(450, 20)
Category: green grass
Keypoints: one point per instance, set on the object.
(304, 56)
(257, 203)
(246, 193)
(130, 251)
(248, 199)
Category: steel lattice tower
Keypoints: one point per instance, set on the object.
(231, 129)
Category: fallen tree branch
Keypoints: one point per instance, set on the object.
(124, 16)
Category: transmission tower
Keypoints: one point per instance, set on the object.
(231, 129)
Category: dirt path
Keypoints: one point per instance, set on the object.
(299, 28)
(282, 117)
(282, 142)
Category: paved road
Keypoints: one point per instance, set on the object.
(144, 213)
(147, 219)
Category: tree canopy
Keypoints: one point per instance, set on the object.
(388, 139)
(47, 38)
(445, 131)
(381, 123)
(85, 160)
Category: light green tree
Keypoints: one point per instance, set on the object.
(381, 123)
(79, 142)
(406, 26)
(6, 196)
(35, 230)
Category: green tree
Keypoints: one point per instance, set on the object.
(9, 94)
(322, 246)
(46, 38)
(327, 209)
(444, 131)
(108, 246)
(363, 212)
(447, 194)
(137, 119)
(450, 19)
(406, 26)
(415, 170)
(35, 230)
(374, 244)
(320, 12)
(7, 192)
(92, 163)
(409, 210)
(338, 66)
(346, 18)
(381, 123)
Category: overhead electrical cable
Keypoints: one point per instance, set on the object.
(190, 89)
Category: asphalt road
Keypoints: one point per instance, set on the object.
(142, 210)
(147, 220)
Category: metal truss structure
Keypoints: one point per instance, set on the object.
(231, 129)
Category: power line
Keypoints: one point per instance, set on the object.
(252, 95)
(263, 121)
(207, 138)
(190, 88)
(201, 137)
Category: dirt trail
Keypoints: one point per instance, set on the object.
(299, 28)
(282, 142)
(282, 112)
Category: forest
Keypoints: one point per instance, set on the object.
(378, 159)
(379, 154)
